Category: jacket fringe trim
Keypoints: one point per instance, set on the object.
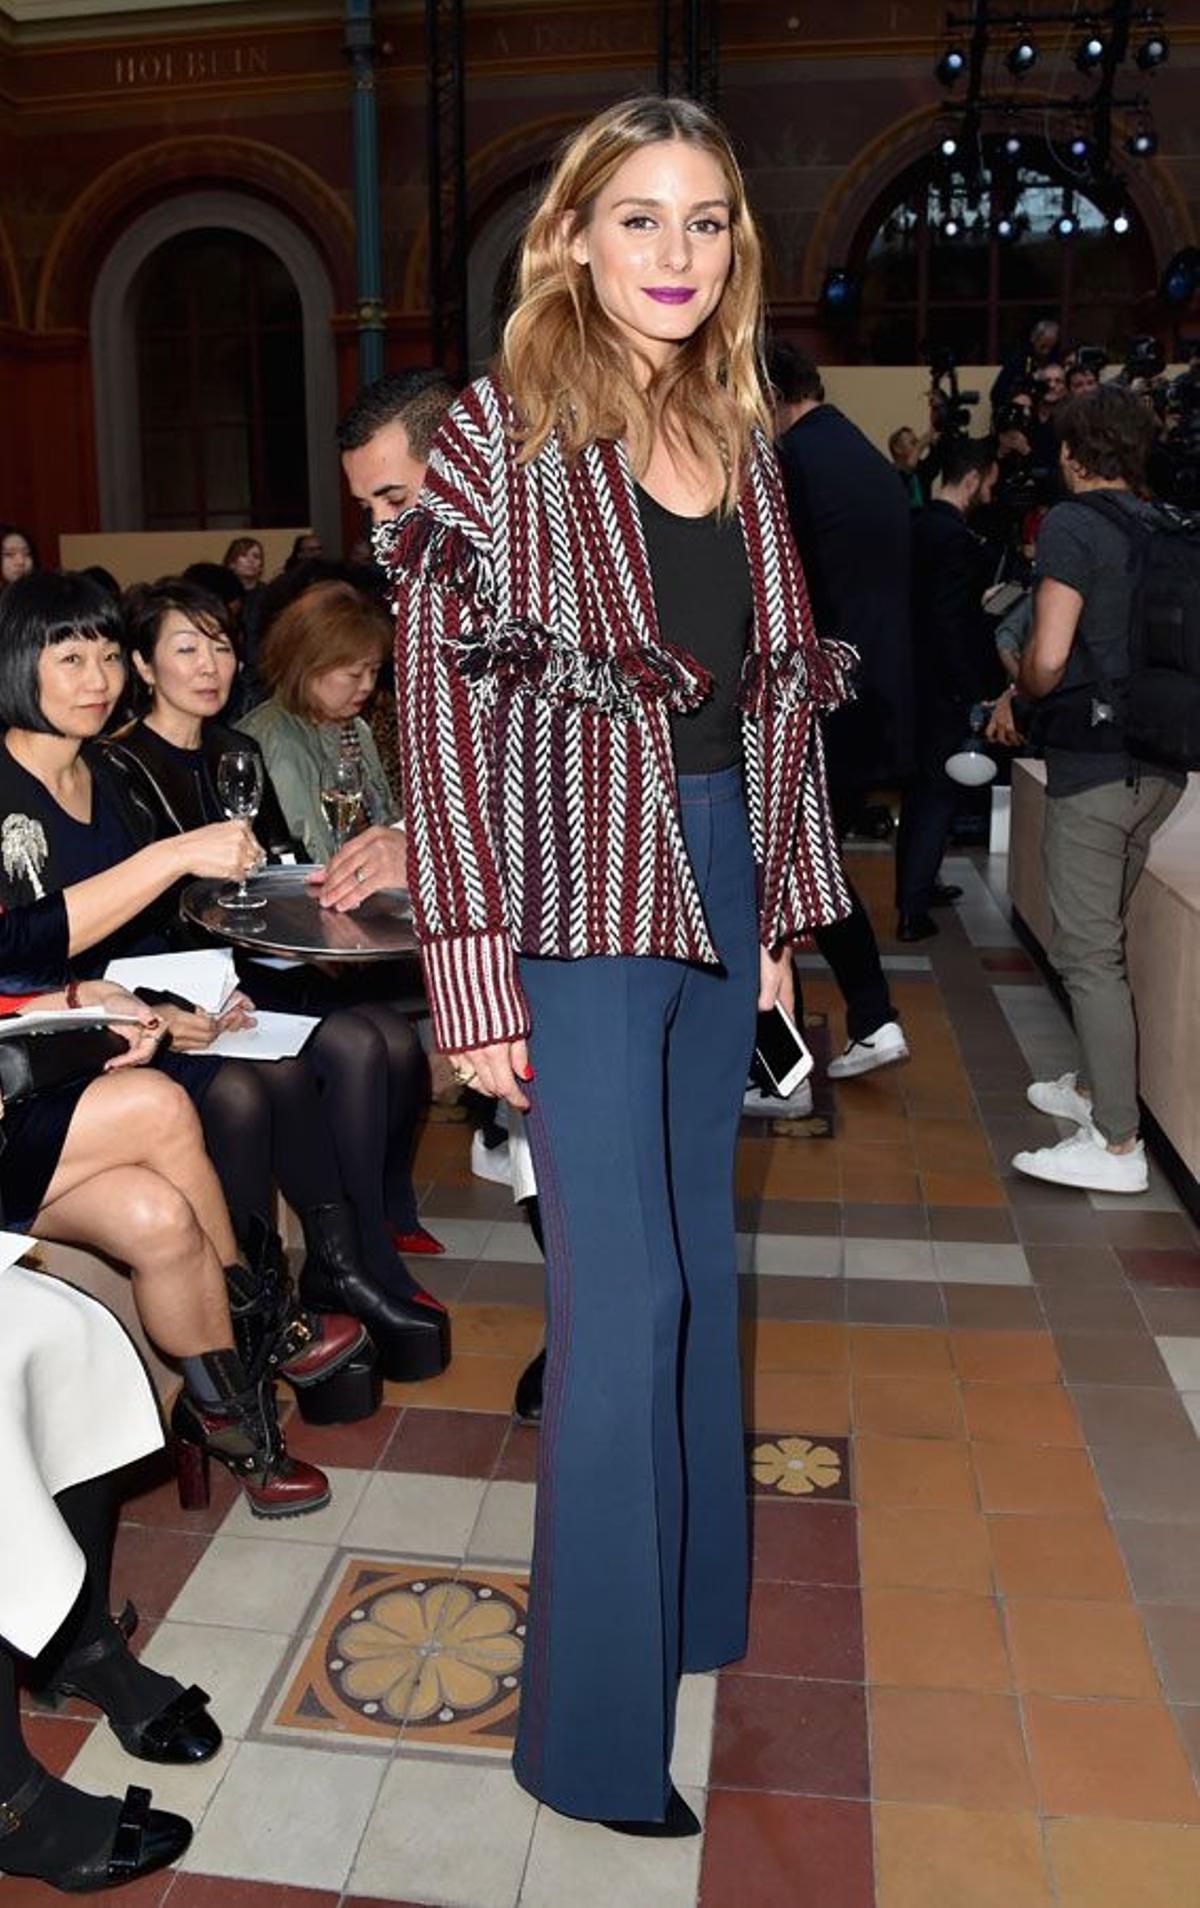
(522, 654)
(780, 682)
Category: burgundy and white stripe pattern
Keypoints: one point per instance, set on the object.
(533, 689)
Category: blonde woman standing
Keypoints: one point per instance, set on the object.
(608, 681)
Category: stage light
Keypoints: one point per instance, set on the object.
(1066, 224)
(1080, 146)
(1005, 227)
(1012, 146)
(1154, 51)
(1021, 55)
(951, 65)
(948, 146)
(840, 292)
(1181, 280)
(951, 226)
(1143, 143)
(1120, 222)
(1089, 53)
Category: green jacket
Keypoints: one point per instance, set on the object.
(297, 754)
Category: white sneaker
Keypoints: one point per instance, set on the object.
(884, 1048)
(491, 1162)
(1061, 1099)
(1085, 1161)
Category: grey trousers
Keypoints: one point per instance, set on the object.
(1094, 847)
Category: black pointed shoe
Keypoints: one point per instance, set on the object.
(679, 1821)
(527, 1399)
(140, 1840)
(916, 927)
(177, 1731)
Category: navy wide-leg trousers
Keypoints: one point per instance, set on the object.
(640, 1554)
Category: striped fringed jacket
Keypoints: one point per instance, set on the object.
(533, 689)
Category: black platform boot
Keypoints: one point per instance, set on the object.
(411, 1330)
(270, 1323)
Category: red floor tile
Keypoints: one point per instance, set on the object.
(218, 1891)
(345, 1447)
(1146, 1266)
(55, 1741)
(152, 1566)
(790, 1736)
(519, 1458)
(802, 1629)
(778, 1851)
(447, 1443)
(803, 1543)
(147, 1893)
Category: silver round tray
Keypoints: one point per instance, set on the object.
(293, 922)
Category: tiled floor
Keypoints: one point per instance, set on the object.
(973, 1678)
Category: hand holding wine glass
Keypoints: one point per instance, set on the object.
(240, 788)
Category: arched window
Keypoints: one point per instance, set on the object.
(978, 292)
(220, 354)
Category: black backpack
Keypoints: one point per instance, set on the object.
(1154, 712)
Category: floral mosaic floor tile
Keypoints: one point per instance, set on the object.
(412, 1649)
(786, 1464)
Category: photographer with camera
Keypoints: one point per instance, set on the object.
(1044, 346)
(1107, 792)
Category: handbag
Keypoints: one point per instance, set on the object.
(45, 1059)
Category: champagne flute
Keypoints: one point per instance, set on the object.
(240, 787)
(342, 788)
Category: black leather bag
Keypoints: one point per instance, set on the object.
(41, 1060)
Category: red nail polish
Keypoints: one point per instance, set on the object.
(528, 1074)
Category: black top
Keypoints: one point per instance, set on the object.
(954, 648)
(53, 851)
(1080, 547)
(704, 602)
(176, 789)
(853, 528)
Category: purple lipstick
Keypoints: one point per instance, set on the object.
(669, 294)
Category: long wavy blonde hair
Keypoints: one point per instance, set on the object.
(564, 362)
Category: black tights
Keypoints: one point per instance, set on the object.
(373, 1079)
(88, 1511)
(263, 1121)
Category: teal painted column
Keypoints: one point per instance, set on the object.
(362, 52)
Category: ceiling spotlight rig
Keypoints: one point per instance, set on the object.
(1076, 134)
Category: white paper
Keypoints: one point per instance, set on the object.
(12, 1246)
(205, 976)
(273, 1037)
(52, 1017)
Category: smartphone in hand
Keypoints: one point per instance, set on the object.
(781, 1060)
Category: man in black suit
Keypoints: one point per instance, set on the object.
(956, 666)
(852, 525)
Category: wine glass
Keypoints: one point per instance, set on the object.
(240, 787)
(342, 789)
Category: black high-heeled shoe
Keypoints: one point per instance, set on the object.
(140, 1841)
(180, 1730)
(410, 1329)
(680, 1820)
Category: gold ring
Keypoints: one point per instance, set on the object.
(464, 1075)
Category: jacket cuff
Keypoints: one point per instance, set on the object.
(473, 990)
